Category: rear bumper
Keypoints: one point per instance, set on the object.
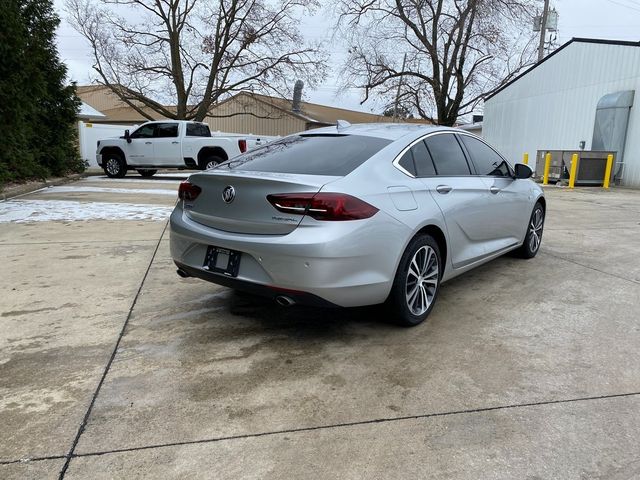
(346, 264)
(298, 297)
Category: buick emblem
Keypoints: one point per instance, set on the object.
(228, 194)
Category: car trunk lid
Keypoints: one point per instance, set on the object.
(237, 201)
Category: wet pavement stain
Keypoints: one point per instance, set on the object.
(42, 367)
(15, 313)
(290, 346)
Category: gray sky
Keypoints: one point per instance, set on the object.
(610, 19)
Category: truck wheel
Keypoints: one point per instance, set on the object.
(209, 161)
(146, 173)
(114, 166)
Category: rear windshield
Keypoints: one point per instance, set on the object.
(335, 155)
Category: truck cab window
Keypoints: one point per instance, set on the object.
(166, 130)
(198, 130)
(145, 131)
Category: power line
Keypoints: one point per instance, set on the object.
(632, 2)
(624, 5)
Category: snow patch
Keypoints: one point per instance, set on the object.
(24, 211)
(176, 175)
(146, 181)
(143, 191)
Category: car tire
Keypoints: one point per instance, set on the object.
(533, 238)
(114, 165)
(417, 282)
(147, 173)
(210, 161)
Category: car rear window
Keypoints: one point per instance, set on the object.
(335, 155)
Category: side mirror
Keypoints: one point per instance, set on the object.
(523, 171)
(127, 136)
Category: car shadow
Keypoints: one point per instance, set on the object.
(233, 315)
(266, 310)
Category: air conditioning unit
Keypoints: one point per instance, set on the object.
(591, 165)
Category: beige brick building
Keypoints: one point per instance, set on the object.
(245, 112)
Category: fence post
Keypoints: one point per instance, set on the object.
(574, 170)
(607, 171)
(525, 159)
(547, 165)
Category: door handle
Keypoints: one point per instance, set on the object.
(443, 189)
(494, 190)
(174, 143)
(147, 143)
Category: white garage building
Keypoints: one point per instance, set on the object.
(553, 105)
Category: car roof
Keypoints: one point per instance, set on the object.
(390, 131)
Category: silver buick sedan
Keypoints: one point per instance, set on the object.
(356, 215)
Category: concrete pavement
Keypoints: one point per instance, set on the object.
(111, 366)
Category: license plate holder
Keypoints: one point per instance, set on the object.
(222, 260)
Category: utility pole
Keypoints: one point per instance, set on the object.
(543, 30)
(395, 108)
(404, 64)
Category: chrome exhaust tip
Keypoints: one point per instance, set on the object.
(284, 301)
(182, 273)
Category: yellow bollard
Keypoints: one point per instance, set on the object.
(607, 171)
(525, 159)
(574, 170)
(547, 165)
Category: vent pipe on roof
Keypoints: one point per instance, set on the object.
(297, 96)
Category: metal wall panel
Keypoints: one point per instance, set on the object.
(554, 105)
(246, 115)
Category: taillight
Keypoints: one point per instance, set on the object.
(323, 206)
(242, 145)
(188, 191)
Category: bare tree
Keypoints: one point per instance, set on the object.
(193, 53)
(441, 57)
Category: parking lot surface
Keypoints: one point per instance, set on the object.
(111, 366)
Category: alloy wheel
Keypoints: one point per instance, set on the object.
(422, 280)
(113, 166)
(535, 229)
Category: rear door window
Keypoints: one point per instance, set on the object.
(417, 161)
(422, 159)
(309, 154)
(447, 155)
(166, 130)
(406, 162)
(198, 130)
(485, 159)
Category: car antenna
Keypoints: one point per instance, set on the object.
(342, 124)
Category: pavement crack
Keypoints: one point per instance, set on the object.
(73, 242)
(354, 424)
(87, 414)
(34, 459)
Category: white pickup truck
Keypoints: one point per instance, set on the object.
(169, 144)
